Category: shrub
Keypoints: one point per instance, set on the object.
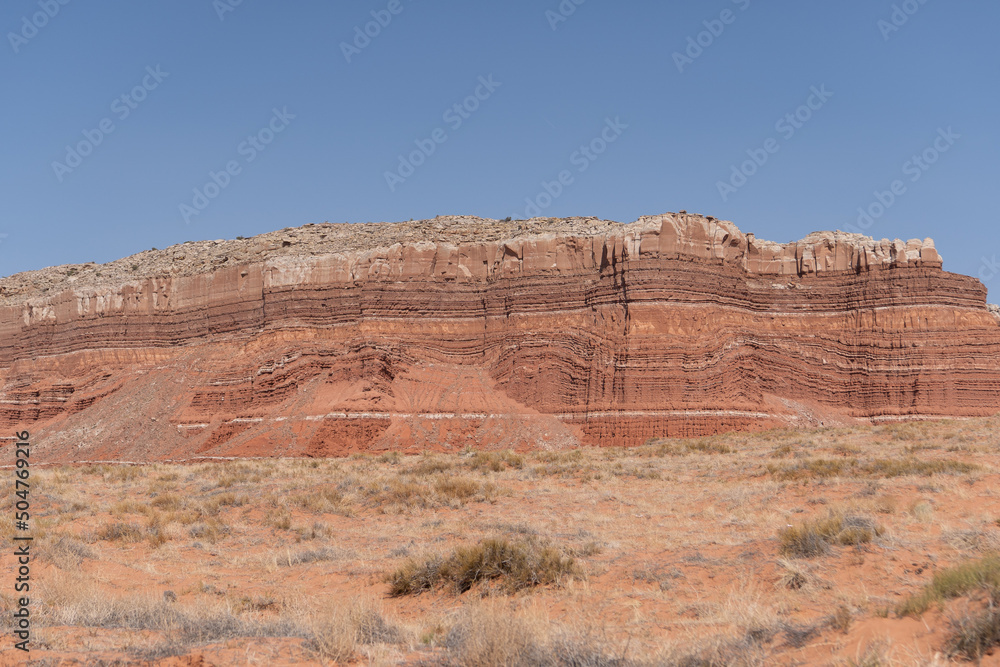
(515, 565)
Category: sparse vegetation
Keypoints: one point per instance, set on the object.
(953, 582)
(878, 468)
(676, 533)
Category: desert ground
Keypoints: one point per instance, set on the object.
(863, 545)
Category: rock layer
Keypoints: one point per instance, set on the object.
(442, 334)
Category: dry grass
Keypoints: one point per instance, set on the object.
(490, 634)
(877, 468)
(339, 633)
(974, 633)
(678, 536)
(72, 601)
(964, 578)
(118, 530)
(495, 461)
(512, 565)
(814, 538)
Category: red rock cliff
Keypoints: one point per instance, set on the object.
(438, 334)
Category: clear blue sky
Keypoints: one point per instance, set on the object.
(678, 126)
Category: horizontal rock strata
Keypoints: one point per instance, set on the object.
(441, 334)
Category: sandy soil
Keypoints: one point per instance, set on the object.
(678, 555)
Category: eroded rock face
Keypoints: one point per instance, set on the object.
(439, 334)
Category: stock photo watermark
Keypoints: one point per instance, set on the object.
(249, 149)
(562, 13)
(899, 17)
(122, 107)
(223, 7)
(915, 168)
(714, 28)
(581, 158)
(989, 269)
(363, 35)
(787, 126)
(30, 25)
(454, 116)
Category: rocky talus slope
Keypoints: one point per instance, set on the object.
(440, 334)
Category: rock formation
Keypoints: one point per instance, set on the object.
(446, 333)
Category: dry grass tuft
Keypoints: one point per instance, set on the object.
(515, 565)
(495, 461)
(309, 556)
(973, 634)
(120, 530)
(169, 502)
(66, 552)
(321, 501)
(813, 538)
(339, 633)
(212, 530)
(491, 635)
(982, 574)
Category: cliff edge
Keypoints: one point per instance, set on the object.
(439, 334)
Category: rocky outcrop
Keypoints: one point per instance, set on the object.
(440, 334)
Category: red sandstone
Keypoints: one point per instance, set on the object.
(455, 332)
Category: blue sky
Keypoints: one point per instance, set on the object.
(640, 108)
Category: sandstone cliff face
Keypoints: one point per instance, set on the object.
(441, 334)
